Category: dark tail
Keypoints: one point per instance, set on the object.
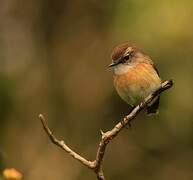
(154, 107)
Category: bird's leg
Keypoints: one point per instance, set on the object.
(129, 124)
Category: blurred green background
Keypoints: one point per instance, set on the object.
(53, 60)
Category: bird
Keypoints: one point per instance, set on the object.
(135, 75)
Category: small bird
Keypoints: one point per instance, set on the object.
(135, 75)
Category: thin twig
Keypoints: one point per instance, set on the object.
(96, 165)
(63, 145)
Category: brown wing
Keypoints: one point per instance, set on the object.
(156, 69)
(154, 108)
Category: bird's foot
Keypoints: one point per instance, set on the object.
(126, 126)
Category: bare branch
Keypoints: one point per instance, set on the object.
(62, 145)
(96, 165)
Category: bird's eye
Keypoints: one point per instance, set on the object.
(127, 57)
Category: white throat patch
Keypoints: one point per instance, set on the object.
(122, 68)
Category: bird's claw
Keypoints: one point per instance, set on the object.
(127, 126)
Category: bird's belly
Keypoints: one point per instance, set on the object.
(137, 83)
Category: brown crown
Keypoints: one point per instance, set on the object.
(119, 50)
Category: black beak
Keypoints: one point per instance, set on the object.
(114, 63)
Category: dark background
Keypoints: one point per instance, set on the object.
(53, 60)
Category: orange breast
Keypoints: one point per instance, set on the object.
(138, 82)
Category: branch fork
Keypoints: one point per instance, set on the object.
(106, 137)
